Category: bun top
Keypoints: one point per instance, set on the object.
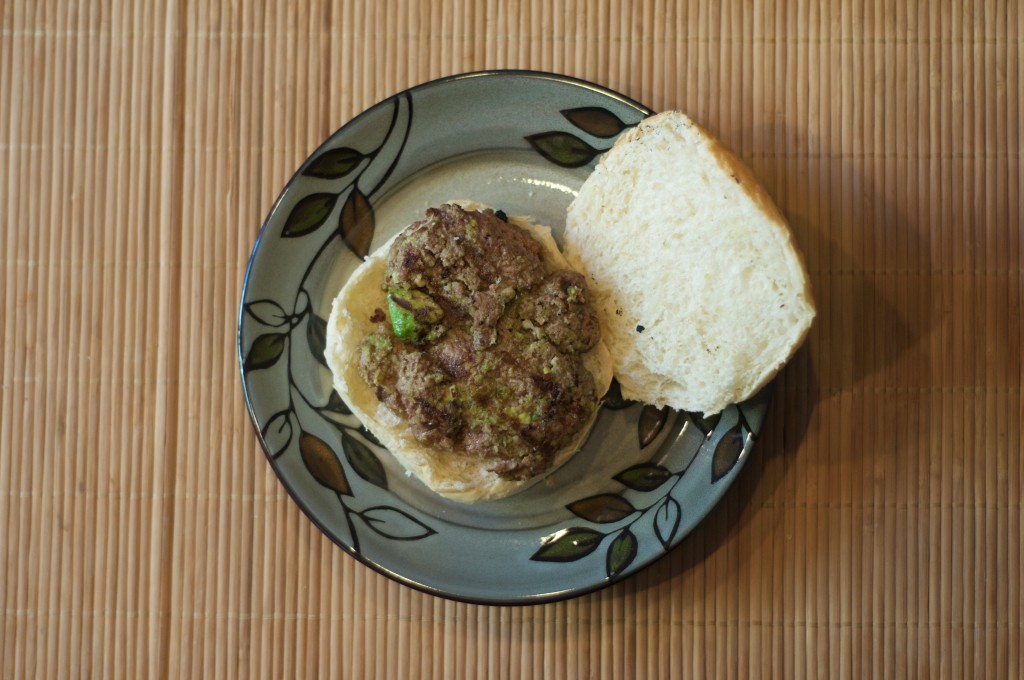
(701, 292)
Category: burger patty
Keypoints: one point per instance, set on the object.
(481, 347)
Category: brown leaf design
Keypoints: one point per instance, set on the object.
(727, 452)
(602, 508)
(561, 148)
(652, 420)
(595, 120)
(323, 464)
(357, 223)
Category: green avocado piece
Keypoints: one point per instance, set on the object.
(412, 313)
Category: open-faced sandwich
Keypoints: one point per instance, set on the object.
(471, 351)
(478, 354)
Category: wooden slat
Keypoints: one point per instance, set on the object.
(877, 529)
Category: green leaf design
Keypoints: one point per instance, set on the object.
(727, 452)
(267, 312)
(595, 120)
(562, 148)
(308, 214)
(666, 521)
(568, 545)
(602, 508)
(357, 223)
(334, 163)
(621, 552)
(335, 404)
(323, 464)
(316, 335)
(363, 461)
(395, 524)
(644, 477)
(652, 420)
(265, 351)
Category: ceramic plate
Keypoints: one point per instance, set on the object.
(523, 142)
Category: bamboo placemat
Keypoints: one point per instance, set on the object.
(877, 529)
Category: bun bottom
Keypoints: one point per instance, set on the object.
(454, 475)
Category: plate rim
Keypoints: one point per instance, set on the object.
(290, 488)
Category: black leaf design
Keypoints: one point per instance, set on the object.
(568, 545)
(705, 424)
(395, 524)
(602, 508)
(308, 214)
(595, 120)
(265, 351)
(267, 312)
(621, 552)
(644, 477)
(335, 404)
(357, 223)
(728, 451)
(369, 436)
(316, 335)
(562, 148)
(363, 461)
(277, 433)
(652, 420)
(666, 521)
(334, 163)
(323, 464)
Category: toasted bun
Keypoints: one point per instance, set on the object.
(701, 292)
(458, 477)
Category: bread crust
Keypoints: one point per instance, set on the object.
(669, 195)
(453, 475)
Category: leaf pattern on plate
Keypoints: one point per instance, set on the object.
(652, 420)
(562, 148)
(316, 336)
(363, 460)
(323, 464)
(568, 545)
(705, 424)
(666, 521)
(268, 313)
(621, 552)
(395, 524)
(355, 229)
(277, 433)
(727, 452)
(265, 351)
(308, 215)
(334, 163)
(357, 223)
(613, 397)
(595, 120)
(644, 477)
(602, 508)
(335, 404)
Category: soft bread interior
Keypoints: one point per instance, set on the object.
(699, 286)
(453, 475)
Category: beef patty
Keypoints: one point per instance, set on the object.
(481, 347)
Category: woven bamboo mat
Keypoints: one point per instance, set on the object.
(876, 531)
